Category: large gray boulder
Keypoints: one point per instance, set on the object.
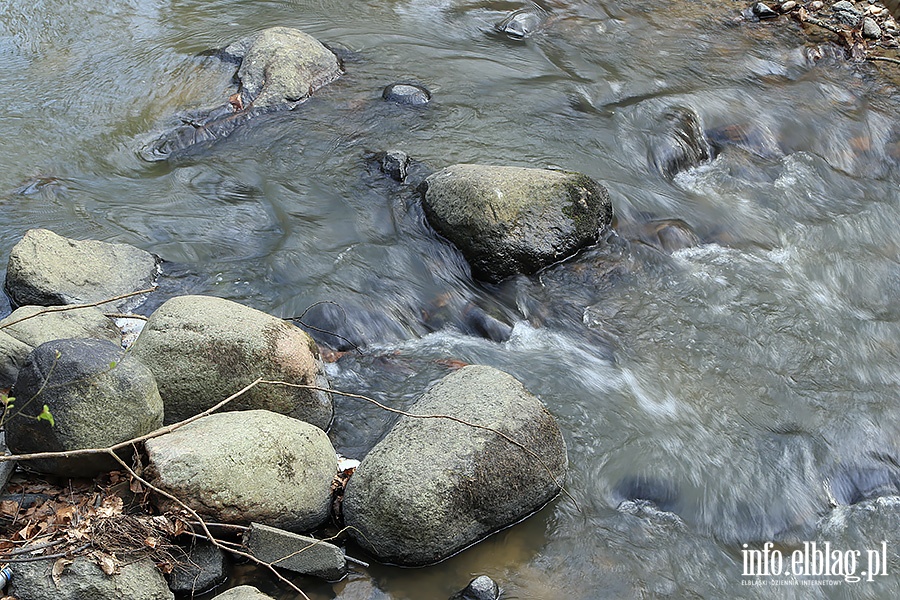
(281, 66)
(509, 220)
(84, 579)
(28, 327)
(434, 486)
(97, 396)
(238, 467)
(47, 269)
(203, 349)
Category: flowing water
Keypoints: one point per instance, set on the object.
(748, 384)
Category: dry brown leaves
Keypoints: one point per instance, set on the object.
(107, 520)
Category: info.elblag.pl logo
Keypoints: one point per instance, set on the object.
(813, 563)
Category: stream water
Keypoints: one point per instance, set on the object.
(748, 384)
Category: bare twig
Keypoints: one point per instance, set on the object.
(143, 438)
(126, 316)
(212, 539)
(299, 319)
(884, 59)
(47, 556)
(65, 307)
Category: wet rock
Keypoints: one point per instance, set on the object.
(346, 326)
(855, 483)
(476, 321)
(243, 592)
(666, 235)
(395, 164)
(202, 567)
(510, 220)
(97, 396)
(522, 23)
(83, 579)
(677, 143)
(847, 13)
(297, 553)
(754, 138)
(203, 349)
(47, 269)
(661, 494)
(409, 94)
(788, 6)
(239, 467)
(871, 29)
(27, 328)
(480, 588)
(432, 487)
(763, 11)
(279, 68)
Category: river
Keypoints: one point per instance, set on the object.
(747, 384)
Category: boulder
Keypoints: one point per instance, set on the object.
(243, 592)
(434, 486)
(47, 269)
(203, 349)
(201, 568)
(28, 327)
(97, 396)
(83, 579)
(281, 66)
(297, 553)
(509, 220)
(247, 466)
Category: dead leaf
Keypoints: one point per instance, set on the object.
(65, 515)
(151, 542)
(110, 507)
(59, 567)
(136, 487)
(106, 562)
(9, 508)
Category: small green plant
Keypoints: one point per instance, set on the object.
(46, 415)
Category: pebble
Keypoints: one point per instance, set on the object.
(788, 6)
(890, 25)
(870, 28)
(816, 5)
(763, 11)
(407, 93)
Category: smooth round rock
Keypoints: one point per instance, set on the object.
(203, 349)
(83, 580)
(409, 94)
(97, 395)
(247, 466)
(512, 220)
(47, 269)
(434, 486)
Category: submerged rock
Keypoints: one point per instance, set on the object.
(480, 588)
(203, 349)
(410, 94)
(96, 396)
(200, 568)
(47, 269)
(677, 143)
(238, 467)
(279, 68)
(434, 486)
(522, 23)
(510, 220)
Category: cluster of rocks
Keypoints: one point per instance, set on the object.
(861, 26)
(433, 486)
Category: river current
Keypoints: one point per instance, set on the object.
(748, 384)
